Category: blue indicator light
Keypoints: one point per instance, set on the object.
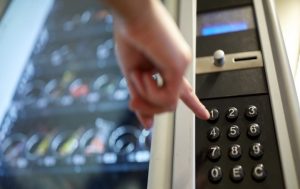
(223, 28)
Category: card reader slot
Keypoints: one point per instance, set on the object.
(242, 59)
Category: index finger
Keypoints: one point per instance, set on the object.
(188, 96)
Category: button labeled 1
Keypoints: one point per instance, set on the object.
(214, 115)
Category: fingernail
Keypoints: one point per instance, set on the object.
(207, 114)
(148, 123)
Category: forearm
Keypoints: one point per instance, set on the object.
(129, 10)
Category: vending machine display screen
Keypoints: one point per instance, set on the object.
(225, 21)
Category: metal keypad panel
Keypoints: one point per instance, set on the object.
(237, 147)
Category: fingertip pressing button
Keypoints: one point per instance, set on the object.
(214, 115)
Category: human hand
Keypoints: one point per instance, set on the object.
(148, 42)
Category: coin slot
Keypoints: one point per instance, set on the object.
(242, 59)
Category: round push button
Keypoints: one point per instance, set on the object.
(256, 151)
(219, 57)
(251, 112)
(214, 115)
(253, 130)
(213, 133)
(233, 132)
(259, 173)
(235, 152)
(232, 114)
(237, 173)
(215, 174)
(214, 153)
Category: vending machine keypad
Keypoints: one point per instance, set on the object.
(236, 147)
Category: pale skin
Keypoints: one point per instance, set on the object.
(147, 42)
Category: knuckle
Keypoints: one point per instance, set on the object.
(171, 102)
(185, 58)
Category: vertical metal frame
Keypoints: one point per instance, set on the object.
(282, 92)
(161, 161)
(172, 161)
(184, 141)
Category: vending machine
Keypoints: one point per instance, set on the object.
(64, 116)
(65, 121)
(241, 73)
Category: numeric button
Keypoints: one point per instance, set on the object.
(233, 132)
(213, 133)
(253, 130)
(259, 173)
(256, 151)
(237, 173)
(214, 115)
(232, 114)
(215, 174)
(235, 152)
(214, 153)
(251, 112)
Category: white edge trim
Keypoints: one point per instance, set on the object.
(184, 141)
(284, 145)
